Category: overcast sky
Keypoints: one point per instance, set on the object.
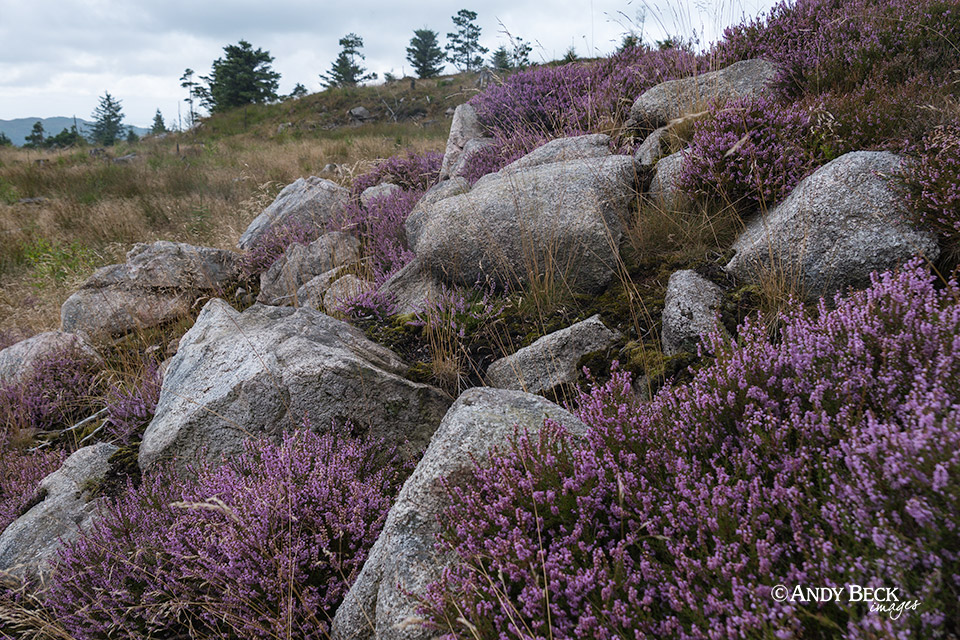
(58, 56)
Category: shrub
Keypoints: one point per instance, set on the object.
(56, 393)
(272, 245)
(130, 408)
(380, 227)
(20, 474)
(933, 181)
(750, 153)
(412, 172)
(265, 545)
(830, 458)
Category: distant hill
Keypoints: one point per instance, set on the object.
(18, 129)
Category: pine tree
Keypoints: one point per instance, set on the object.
(299, 91)
(424, 53)
(107, 121)
(5, 140)
(346, 70)
(37, 136)
(194, 93)
(159, 126)
(500, 60)
(243, 76)
(466, 53)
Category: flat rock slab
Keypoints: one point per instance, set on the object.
(261, 372)
(403, 560)
(28, 547)
(160, 282)
(309, 202)
(837, 226)
(551, 360)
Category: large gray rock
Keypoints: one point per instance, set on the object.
(160, 282)
(310, 202)
(238, 375)
(412, 287)
(29, 545)
(455, 186)
(668, 100)
(836, 227)
(300, 263)
(665, 191)
(689, 311)
(19, 358)
(403, 561)
(378, 191)
(551, 360)
(562, 220)
(596, 145)
(465, 127)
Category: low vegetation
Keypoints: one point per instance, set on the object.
(811, 445)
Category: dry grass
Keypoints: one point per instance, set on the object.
(182, 189)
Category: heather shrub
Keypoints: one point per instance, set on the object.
(131, 406)
(380, 227)
(933, 181)
(20, 474)
(825, 459)
(412, 172)
(264, 546)
(750, 153)
(56, 393)
(370, 305)
(272, 244)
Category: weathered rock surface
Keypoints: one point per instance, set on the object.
(455, 186)
(551, 360)
(689, 311)
(342, 290)
(403, 560)
(311, 293)
(29, 545)
(465, 127)
(470, 149)
(378, 191)
(301, 263)
(360, 114)
(19, 358)
(260, 372)
(595, 145)
(309, 201)
(562, 219)
(838, 225)
(668, 100)
(159, 282)
(411, 287)
(664, 189)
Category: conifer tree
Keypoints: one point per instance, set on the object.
(464, 47)
(346, 70)
(159, 126)
(424, 53)
(107, 121)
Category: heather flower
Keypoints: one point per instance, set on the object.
(130, 408)
(380, 227)
(933, 181)
(750, 153)
(272, 244)
(829, 457)
(264, 545)
(412, 172)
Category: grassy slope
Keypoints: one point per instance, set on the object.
(201, 187)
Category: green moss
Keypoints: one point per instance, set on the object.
(420, 372)
(124, 468)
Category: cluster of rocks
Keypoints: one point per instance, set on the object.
(558, 213)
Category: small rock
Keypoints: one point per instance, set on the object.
(664, 191)
(377, 191)
(465, 127)
(300, 263)
(689, 311)
(19, 358)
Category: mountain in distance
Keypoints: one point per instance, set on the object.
(18, 129)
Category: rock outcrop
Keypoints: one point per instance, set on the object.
(238, 375)
(310, 202)
(64, 507)
(560, 220)
(403, 560)
(300, 263)
(455, 186)
(838, 225)
(675, 98)
(551, 360)
(19, 358)
(160, 282)
(464, 128)
(689, 311)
